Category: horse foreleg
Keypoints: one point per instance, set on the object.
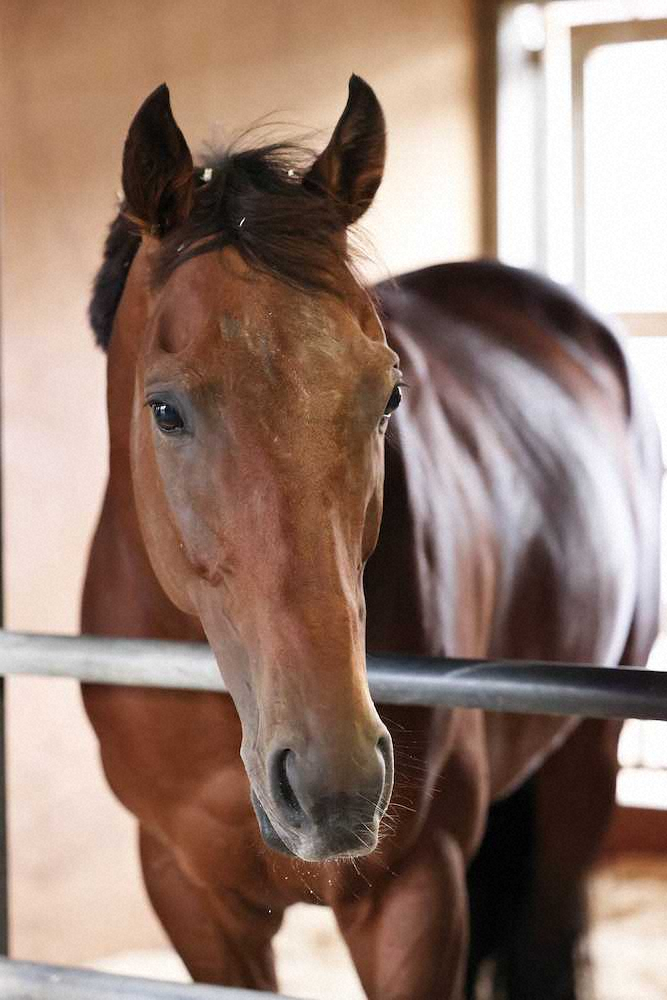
(574, 800)
(225, 946)
(408, 936)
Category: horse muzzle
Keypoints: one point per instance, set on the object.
(317, 814)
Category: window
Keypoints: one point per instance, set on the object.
(582, 195)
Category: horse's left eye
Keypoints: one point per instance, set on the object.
(394, 401)
(166, 416)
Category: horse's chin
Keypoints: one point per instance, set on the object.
(316, 848)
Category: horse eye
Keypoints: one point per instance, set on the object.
(166, 416)
(394, 401)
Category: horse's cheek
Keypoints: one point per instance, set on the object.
(165, 547)
(373, 518)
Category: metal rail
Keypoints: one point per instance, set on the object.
(501, 685)
(29, 981)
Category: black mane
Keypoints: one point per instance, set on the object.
(119, 249)
(253, 199)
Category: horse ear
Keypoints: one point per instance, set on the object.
(157, 167)
(350, 169)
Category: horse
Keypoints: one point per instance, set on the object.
(456, 462)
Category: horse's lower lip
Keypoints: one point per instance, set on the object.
(267, 829)
(357, 844)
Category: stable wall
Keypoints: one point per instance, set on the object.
(72, 75)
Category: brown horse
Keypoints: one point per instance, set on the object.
(250, 389)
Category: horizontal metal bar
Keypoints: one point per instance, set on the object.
(29, 981)
(505, 686)
(515, 686)
(102, 660)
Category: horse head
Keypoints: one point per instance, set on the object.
(262, 389)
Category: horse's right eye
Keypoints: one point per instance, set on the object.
(394, 400)
(166, 416)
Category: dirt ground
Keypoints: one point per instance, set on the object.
(629, 937)
(628, 942)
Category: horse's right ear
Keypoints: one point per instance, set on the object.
(157, 168)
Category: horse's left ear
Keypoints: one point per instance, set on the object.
(157, 167)
(350, 169)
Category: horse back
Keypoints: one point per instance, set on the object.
(525, 312)
(523, 480)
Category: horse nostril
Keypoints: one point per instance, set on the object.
(384, 748)
(282, 786)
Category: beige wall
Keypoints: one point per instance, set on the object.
(72, 75)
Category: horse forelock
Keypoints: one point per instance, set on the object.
(251, 199)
